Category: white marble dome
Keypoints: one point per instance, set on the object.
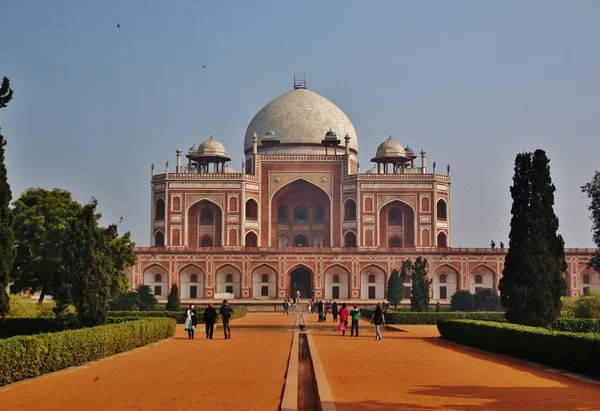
(301, 117)
(390, 148)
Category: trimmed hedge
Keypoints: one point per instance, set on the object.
(25, 357)
(579, 352)
(431, 318)
(576, 325)
(179, 316)
(11, 327)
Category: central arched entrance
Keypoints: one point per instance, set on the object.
(301, 280)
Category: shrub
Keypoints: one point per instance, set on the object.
(149, 301)
(588, 306)
(415, 318)
(129, 301)
(25, 357)
(576, 325)
(11, 327)
(487, 300)
(462, 300)
(567, 307)
(438, 307)
(173, 300)
(574, 351)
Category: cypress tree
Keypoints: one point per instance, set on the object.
(532, 281)
(7, 239)
(395, 289)
(592, 189)
(419, 293)
(173, 301)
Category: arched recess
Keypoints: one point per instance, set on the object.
(442, 239)
(204, 218)
(368, 205)
(228, 281)
(282, 213)
(251, 209)
(445, 280)
(350, 239)
(262, 289)
(339, 290)
(232, 237)
(152, 274)
(251, 239)
(282, 240)
(300, 240)
(397, 219)
(159, 210)
(442, 209)
(301, 280)
(370, 289)
(589, 280)
(191, 278)
(233, 204)
(175, 237)
(176, 206)
(425, 204)
(425, 238)
(309, 210)
(481, 277)
(350, 210)
(159, 239)
(369, 238)
(318, 240)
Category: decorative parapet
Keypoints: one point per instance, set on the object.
(203, 176)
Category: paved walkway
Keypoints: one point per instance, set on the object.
(244, 373)
(412, 370)
(416, 370)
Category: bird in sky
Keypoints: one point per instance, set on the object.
(203, 66)
(118, 25)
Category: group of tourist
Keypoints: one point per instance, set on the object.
(210, 317)
(377, 318)
(322, 309)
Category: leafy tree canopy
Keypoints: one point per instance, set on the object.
(396, 287)
(419, 293)
(592, 190)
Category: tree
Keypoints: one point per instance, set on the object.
(88, 266)
(487, 300)
(173, 299)
(592, 189)
(419, 293)
(122, 256)
(149, 301)
(462, 300)
(532, 281)
(42, 219)
(127, 301)
(395, 289)
(7, 251)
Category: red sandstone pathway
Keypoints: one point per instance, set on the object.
(244, 373)
(419, 371)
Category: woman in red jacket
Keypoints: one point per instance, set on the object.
(343, 316)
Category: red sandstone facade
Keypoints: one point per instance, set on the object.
(308, 220)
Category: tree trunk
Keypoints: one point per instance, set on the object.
(42, 295)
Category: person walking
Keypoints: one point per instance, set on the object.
(334, 311)
(355, 314)
(378, 319)
(286, 307)
(343, 314)
(226, 312)
(321, 307)
(190, 321)
(210, 316)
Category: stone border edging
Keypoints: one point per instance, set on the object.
(289, 402)
(323, 391)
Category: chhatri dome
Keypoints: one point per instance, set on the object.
(300, 118)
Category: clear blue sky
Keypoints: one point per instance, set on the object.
(472, 82)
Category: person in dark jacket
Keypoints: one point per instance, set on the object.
(378, 319)
(334, 311)
(320, 307)
(226, 312)
(210, 316)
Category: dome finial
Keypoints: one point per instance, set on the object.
(299, 83)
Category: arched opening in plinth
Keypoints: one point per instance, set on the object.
(301, 280)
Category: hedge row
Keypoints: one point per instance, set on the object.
(179, 316)
(576, 325)
(579, 352)
(416, 318)
(25, 357)
(11, 327)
